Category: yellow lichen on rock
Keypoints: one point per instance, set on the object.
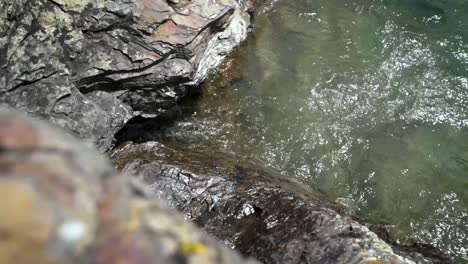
(192, 247)
(52, 20)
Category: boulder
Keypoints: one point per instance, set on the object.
(63, 202)
(91, 65)
(257, 210)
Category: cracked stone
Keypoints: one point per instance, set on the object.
(78, 47)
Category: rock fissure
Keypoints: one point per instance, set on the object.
(28, 82)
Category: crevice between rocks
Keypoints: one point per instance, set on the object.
(140, 129)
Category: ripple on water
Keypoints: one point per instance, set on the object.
(365, 100)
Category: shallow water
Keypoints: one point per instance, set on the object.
(366, 100)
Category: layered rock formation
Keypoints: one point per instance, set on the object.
(91, 65)
(258, 211)
(62, 202)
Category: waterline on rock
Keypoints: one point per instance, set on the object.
(365, 100)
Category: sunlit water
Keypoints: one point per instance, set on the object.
(366, 100)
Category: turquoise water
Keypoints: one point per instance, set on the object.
(366, 100)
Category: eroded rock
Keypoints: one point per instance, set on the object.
(91, 65)
(62, 202)
(258, 211)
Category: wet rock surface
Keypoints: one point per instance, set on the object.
(62, 202)
(91, 65)
(258, 211)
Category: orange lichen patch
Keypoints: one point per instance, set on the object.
(125, 248)
(155, 11)
(169, 32)
(231, 69)
(192, 20)
(17, 134)
(25, 226)
(230, 72)
(165, 31)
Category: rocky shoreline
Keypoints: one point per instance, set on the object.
(258, 211)
(92, 66)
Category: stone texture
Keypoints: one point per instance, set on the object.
(91, 65)
(258, 211)
(62, 202)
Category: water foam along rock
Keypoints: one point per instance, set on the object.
(62, 202)
(256, 210)
(91, 65)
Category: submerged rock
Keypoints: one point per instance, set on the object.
(256, 210)
(91, 65)
(62, 202)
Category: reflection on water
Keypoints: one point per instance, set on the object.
(366, 100)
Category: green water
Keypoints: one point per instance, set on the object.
(366, 100)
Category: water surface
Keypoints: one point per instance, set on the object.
(366, 100)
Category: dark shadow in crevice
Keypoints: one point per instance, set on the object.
(141, 129)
